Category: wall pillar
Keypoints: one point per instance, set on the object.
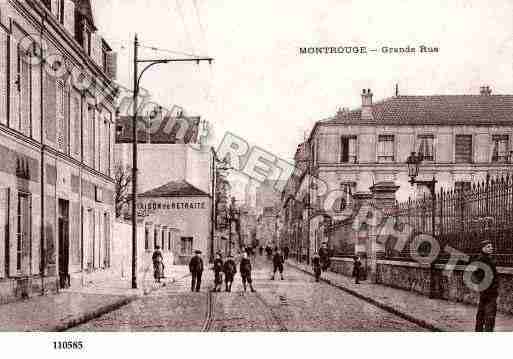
(383, 195)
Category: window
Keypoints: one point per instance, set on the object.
(385, 148)
(186, 245)
(155, 238)
(22, 232)
(426, 147)
(463, 149)
(348, 149)
(500, 148)
(169, 240)
(163, 246)
(462, 185)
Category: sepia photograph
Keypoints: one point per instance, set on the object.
(189, 166)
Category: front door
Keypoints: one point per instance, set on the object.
(64, 279)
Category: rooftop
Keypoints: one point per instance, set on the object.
(175, 189)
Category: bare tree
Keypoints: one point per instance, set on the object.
(123, 179)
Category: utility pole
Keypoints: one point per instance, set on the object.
(137, 80)
(134, 171)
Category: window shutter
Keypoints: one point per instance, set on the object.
(14, 121)
(25, 97)
(3, 76)
(69, 16)
(4, 228)
(96, 48)
(50, 98)
(112, 65)
(55, 7)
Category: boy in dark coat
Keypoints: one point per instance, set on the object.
(316, 264)
(245, 271)
(229, 268)
(325, 257)
(356, 269)
(278, 263)
(487, 308)
(196, 269)
(218, 269)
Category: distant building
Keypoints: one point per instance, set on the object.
(174, 183)
(177, 217)
(56, 147)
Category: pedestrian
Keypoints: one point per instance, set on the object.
(245, 272)
(325, 257)
(261, 250)
(316, 264)
(158, 264)
(487, 308)
(286, 252)
(218, 272)
(196, 269)
(356, 269)
(278, 263)
(229, 269)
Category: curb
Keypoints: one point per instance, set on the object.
(402, 314)
(86, 317)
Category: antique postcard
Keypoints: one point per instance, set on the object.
(235, 166)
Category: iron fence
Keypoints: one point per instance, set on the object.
(462, 219)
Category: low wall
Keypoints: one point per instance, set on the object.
(342, 265)
(441, 282)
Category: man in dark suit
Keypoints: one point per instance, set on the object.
(196, 269)
(489, 291)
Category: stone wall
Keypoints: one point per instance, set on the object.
(441, 282)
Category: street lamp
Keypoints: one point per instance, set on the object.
(413, 161)
(137, 80)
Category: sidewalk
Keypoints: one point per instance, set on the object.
(74, 306)
(433, 314)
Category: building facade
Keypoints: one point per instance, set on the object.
(56, 142)
(177, 218)
(462, 138)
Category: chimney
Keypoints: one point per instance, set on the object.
(367, 104)
(485, 90)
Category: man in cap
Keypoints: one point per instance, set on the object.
(245, 271)
(196, 269)
(488, 287)
(229, 268)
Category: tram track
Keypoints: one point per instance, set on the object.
(209, 316)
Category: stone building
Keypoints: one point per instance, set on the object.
(177, 217)
(56, 145)
(462, 137)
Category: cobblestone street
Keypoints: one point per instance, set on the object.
(296, 303)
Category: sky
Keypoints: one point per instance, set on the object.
(260, 87)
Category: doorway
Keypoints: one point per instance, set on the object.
(64, 278)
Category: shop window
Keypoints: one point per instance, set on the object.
(385, 148)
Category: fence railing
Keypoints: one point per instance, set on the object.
(462, 219)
